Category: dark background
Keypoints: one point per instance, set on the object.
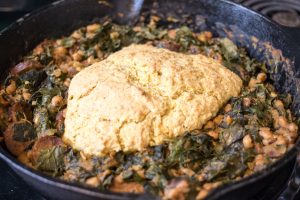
(10, 10)
(14, 188)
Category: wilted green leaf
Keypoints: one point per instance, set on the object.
(230, 50)
(51, 160)
(67, 42)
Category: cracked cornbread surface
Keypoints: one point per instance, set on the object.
(144, 95)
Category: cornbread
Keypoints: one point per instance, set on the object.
(143, 95)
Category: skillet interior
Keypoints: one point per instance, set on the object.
(233, 21)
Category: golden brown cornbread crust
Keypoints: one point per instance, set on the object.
(143, 95)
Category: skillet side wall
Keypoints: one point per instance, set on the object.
(233, 21)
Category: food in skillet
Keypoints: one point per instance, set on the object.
(253, 126)
(142, 96)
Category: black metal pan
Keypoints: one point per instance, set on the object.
(265, 40)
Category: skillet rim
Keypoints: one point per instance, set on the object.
(92, 192)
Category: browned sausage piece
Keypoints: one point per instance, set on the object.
(47, 154)
(19, 136)
(25, 66)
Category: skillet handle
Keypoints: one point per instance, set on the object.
(130, 10)
(293, 185)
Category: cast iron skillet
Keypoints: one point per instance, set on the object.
(265, 40)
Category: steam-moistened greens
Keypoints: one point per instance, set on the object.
(250, 132)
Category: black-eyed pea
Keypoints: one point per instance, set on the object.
(202, 194)
(138, 29)
(208, 186)
(247, 142)
(281, 131)
(268, 141)
(114, 35)
(273, 151)
(218, 119)
(228, 120)
(59, 52)
(292, 127)
(86, 165)
(280, 140)
(246, 102)
(100, 54)
(77, 56)
(216, 184)
(57, 73)
(24, 158)
(67, 82)
(64, 112)
(26, 96)
(57, 101)
(266, 133)
(3, 101)
(252, 83)
(261, 77)
(259, 160)
(214, 134)
(293, 136)
(171, 33)
(93, 181)
(250, 165)
(204, 36)
(92, 28)
(273, 94)
(90, 35)
(11, 88)
(72, 71)
(289, 136)
(200, 177)
(82, 155)
(58, 42)
(136, 167)
(18, 97)
(64, 68)
(173, 172)
(278, 104)
(282, 121)
(78, 65)
(38, 50)
(209, 125)
(187, 171)
(228, 108)
(76, 35)
(34, 103)
(91, 60)
(141, 173)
